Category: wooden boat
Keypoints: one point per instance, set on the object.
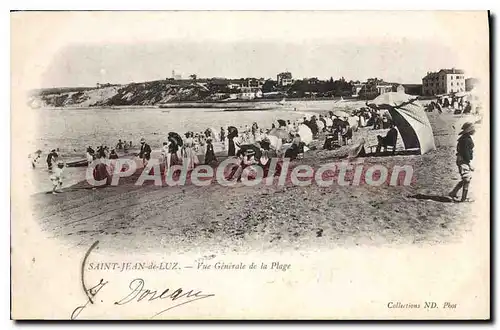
(77, 163)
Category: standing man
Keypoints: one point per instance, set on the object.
(465, 147)
(145, 152)
(51, 159)
(119, 145)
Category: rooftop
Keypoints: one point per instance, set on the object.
(445, 71)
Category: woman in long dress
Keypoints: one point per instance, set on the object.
(172, 153)
(189, 154)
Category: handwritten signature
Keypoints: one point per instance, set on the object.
(138, 293)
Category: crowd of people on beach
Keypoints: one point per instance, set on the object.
(251, 144)
(254, 145)
(457, 104)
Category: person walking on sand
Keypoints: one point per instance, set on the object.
(145, 152)
(56, 178)
(210, 154)
(51, 159)
(189, 154)
(35, 157)
(90, 155)
(465, 147)
(222, 135)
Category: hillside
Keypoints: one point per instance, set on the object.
(147, 93)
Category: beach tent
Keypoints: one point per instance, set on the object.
(410, 118)
(274, 142)
(305, 133)
(320, 124)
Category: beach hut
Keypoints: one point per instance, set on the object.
(410, 118)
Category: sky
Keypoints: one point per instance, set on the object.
(140, 46)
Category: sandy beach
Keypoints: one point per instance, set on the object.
(241, 218)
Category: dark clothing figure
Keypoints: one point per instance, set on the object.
(465, 147)
(313, 127)
(446, 103)
(347, 135)
(119, 145)
(51, 158)
(173, 147)
(222, 135)
(331, 142)
(210, 154)
(292, 152)
(468, 107)
(113, 155)
(145, 152)
(101, 152)
(232, 148)
(101, 173)
(389, 140)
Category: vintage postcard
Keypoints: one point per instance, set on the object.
(250, 165)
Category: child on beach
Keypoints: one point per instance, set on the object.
(56, 178)
(465, 148)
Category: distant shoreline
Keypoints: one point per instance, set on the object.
(260, 105)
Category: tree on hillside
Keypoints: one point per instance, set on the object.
(269, 86)
(193, 77)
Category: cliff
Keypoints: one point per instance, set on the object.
(147, 93)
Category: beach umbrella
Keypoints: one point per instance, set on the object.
(245, 147)
(281, 122)
(274, 142)
(305, 133)
(391, 100)
(410, 118)
(340, 113)
(279, 133)
(176, 137)
(232, 129)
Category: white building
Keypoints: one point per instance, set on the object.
(445, 81)
(249, 93)
(284, 79)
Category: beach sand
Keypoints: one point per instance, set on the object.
(220, 219)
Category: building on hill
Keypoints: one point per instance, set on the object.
(374, 87)
(445, 81)
(356, 88)
(249, 93)
(284, 79)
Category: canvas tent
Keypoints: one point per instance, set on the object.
(305, 133)
(410, 119)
